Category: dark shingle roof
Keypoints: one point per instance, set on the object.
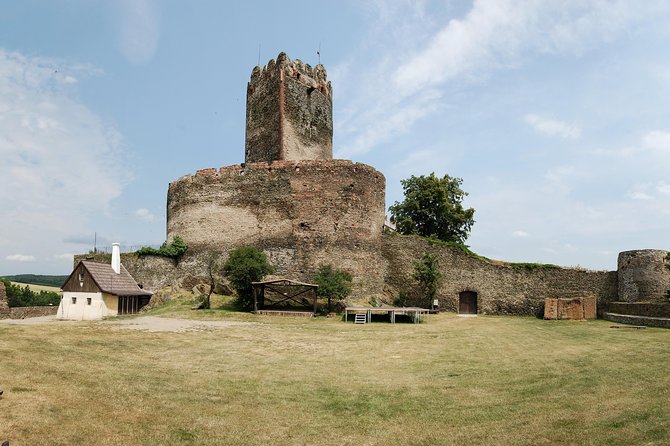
(121, 284)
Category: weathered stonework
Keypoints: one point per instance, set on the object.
(28, 312)
(302, 214)
(289, 112)
(4, 304)
(383, 273)
(500, 288)
(643, 275)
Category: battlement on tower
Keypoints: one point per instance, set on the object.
(289, 112)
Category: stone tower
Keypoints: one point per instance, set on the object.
(643, 275)
(289, 113)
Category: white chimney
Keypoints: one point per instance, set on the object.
(116, 258)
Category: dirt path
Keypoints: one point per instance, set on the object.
(154, 324)
(146, 323)
(31, 320)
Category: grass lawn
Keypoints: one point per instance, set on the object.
(283, 381)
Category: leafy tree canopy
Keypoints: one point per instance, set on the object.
(245, 265)
(333, 283)
(428, 276)
(433, 208)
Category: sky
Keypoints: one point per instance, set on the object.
(555, 113)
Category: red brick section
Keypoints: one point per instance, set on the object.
(209, 171)
(550, 308)
(572, 309)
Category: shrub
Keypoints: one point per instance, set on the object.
(402, 300)
(245, 265)
(333, 283)
(428, 276)
(173, 250)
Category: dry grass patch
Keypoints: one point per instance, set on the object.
(485, 380)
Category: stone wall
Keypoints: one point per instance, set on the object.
(289, 112)
(4, 303)
(640, 309)
(383, 274)
(643, 275)
(302, 214)
(501, 288)
(26, 312)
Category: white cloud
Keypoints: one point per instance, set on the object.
(61, 164)
(20, 258)
(413, 59)
(497, 33)
(520, 234)
(138, 29)
(145, 215)
(552, 127)
(663, 187)
(657, 140)
(640, 192)
(65, 256)
(639, 195)
(421, 162)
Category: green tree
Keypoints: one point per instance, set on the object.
(333, 283)
(245, 265)
(428, 276)
(25, 297)
(433, 208)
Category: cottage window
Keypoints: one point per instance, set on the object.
(81, 277)
(74, 300)
(88, 301)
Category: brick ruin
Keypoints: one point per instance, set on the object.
(303, 209)
(579, 308)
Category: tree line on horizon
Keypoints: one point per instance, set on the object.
(18, 296)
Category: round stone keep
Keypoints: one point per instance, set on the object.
(643, 275)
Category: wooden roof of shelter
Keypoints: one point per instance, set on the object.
(107, 280)
(294, 298)
(287, 282)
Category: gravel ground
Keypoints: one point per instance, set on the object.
(153, 323)
(146, 323)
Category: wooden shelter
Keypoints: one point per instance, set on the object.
(284, 295)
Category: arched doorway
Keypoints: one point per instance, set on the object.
(467, 302)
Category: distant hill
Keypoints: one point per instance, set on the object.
(38, 279)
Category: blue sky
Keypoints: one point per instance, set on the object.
(556, 114)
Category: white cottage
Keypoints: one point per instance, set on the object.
(96, 290)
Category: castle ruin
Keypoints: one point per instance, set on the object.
(291, 199)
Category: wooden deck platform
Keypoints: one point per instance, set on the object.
(288, 313)
(414, 312)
